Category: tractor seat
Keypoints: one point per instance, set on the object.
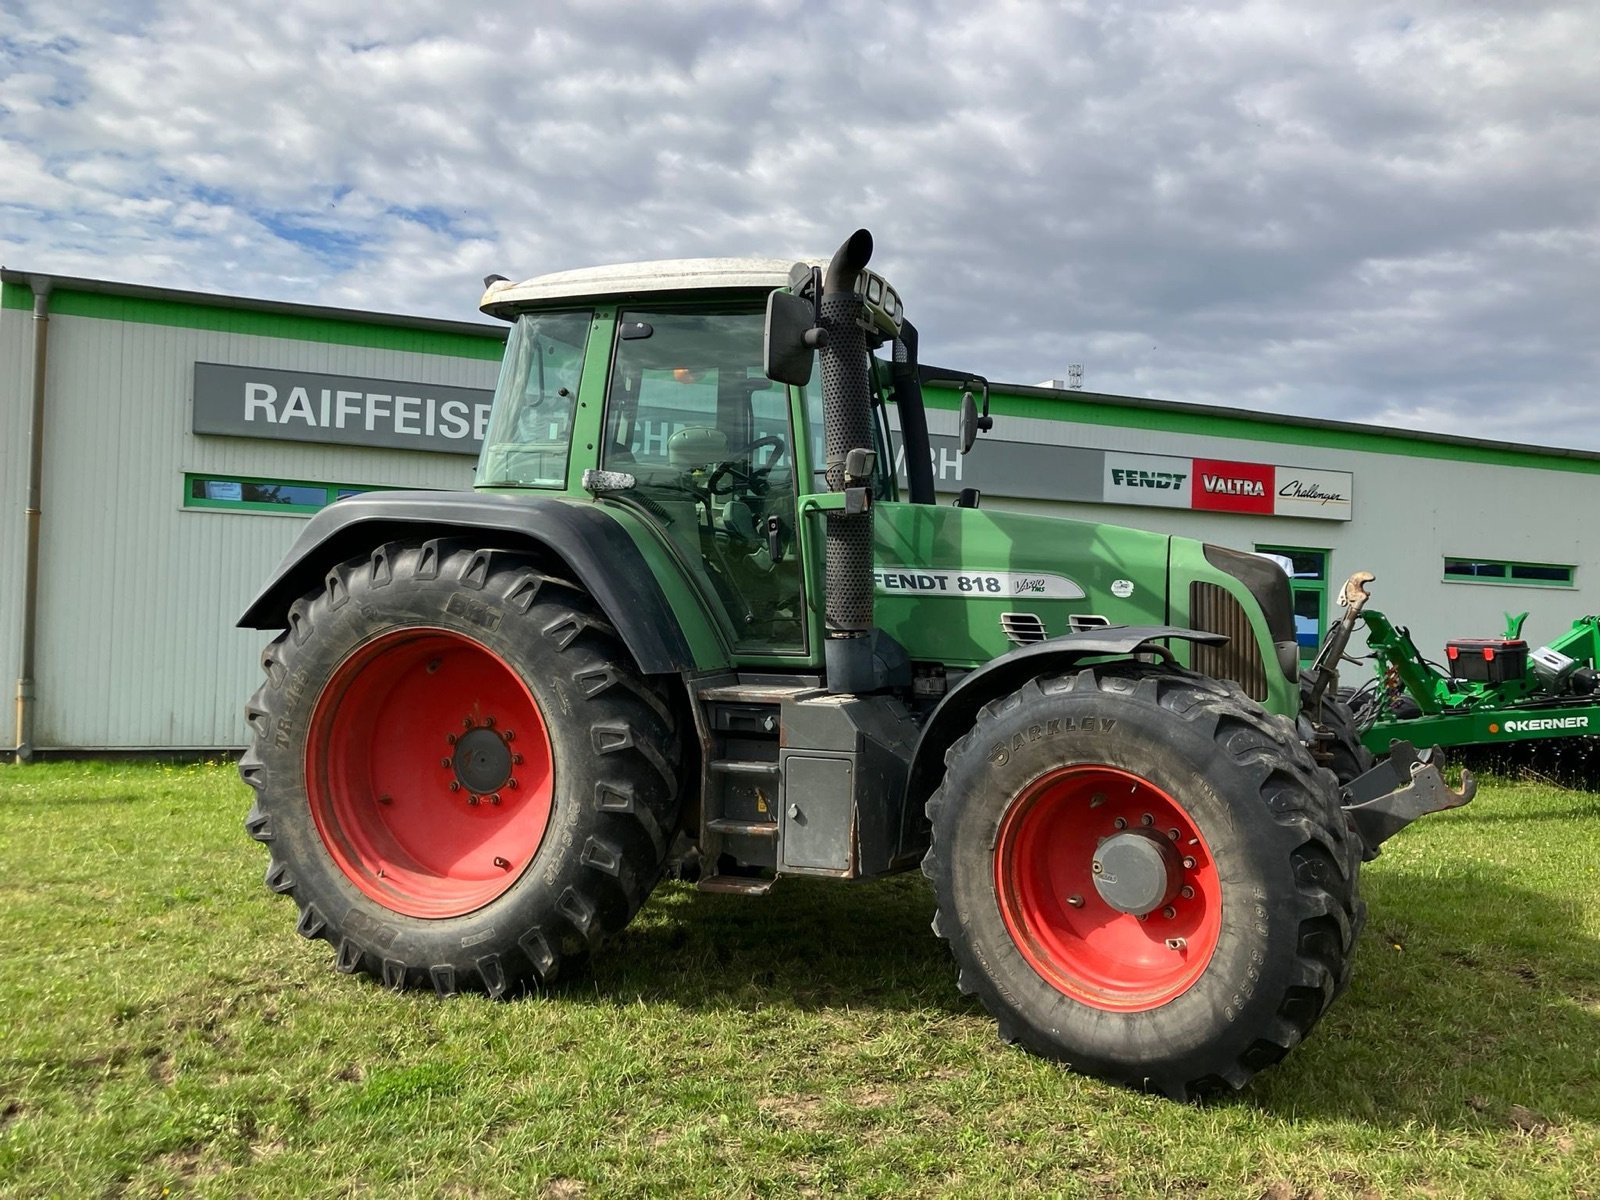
(696, 446)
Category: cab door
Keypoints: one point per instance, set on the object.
(691, 416)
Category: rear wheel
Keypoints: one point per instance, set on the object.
(1143, 874)
(460, 776)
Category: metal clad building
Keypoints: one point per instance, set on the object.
(187, 436)
(139, 584)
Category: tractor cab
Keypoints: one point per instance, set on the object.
(660, 401)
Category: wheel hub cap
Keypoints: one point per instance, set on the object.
(1136, 873)
(482, 761)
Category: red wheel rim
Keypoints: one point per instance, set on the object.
(1074, 939)
(429, 772)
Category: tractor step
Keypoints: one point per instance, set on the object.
(754, 693)
(729, 825)
(743, 766)
(738, 885)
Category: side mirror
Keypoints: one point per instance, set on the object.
(970, 422)
(792, 333)
(785, 357)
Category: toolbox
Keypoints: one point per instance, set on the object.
(1487, 660)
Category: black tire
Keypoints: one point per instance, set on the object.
(335, 728)
(1345, 756)
(1281, 875)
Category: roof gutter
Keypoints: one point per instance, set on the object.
(31, 515)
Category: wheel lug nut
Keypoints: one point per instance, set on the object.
(1186, 892)
(1173, 834)
(455, 785)
(1120, 823)
(472, 800)
(488, 722)
(516, 760)
(1147, 819)
(1188, 864)
(510, 735)
(495, 798)
(444, 762)
(511, 784)
(1169, 912)
(450, 738)
(466, 722)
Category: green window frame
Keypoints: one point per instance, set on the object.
(1505, 572)
(252, 493)
(1308, 588)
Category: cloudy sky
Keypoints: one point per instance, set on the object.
(1372, 211)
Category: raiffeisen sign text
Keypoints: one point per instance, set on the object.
(301, 406)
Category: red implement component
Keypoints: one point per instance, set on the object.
(428, 771)
(1045, 881)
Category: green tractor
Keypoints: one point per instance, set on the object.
(688, 626)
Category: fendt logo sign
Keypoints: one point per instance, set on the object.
(303, 406)
(1147, 479)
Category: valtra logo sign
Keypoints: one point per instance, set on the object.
(1241, 487)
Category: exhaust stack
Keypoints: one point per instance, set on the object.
(847, 426)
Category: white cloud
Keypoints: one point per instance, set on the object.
(1370, 211)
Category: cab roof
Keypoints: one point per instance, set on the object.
(505, 298)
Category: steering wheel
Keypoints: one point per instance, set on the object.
(740, 479)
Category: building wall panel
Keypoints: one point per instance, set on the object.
(139, 593)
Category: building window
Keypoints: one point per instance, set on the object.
(240, 494)
(1308, 586)
(1491, 570)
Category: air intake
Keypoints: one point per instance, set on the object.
(1214, 609)
(1023, 628)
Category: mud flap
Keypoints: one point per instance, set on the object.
(1403, 786)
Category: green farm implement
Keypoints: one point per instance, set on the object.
(1487, 691)
(689, 625)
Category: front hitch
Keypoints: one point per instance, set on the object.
(1402, 787)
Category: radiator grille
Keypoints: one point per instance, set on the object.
(1213, 609)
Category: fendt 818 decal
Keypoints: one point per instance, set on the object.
(896, 580)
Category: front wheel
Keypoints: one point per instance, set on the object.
(1143, 874)
(461, 778)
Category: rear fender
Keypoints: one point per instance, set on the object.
(589, 541)
(958, 711)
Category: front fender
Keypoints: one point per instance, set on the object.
(592, 543)
(958, 710)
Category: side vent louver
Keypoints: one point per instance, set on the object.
(1214, 609)
(1022, 628)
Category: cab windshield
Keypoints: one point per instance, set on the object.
(530, 428)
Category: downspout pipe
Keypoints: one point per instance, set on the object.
(31, 515)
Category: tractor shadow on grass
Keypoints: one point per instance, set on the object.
(1487, 1015)
(1475, 1004)
(809, 944)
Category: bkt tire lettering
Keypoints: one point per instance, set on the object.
(1000, 753)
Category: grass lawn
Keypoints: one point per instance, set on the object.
(165, 1031)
